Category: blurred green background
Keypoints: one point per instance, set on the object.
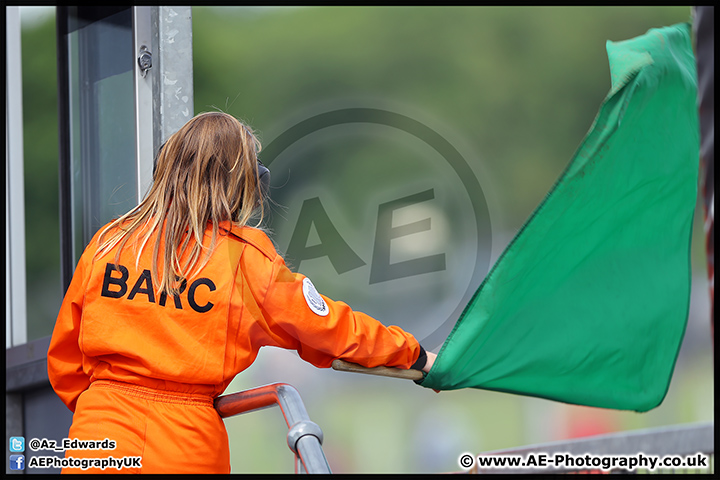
(513, 88)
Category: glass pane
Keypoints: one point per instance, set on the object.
(102, 122)
(40, 132)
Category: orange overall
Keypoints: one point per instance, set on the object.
(142, 368)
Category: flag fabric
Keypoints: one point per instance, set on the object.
(589, 302)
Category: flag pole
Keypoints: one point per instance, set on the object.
(343, 366)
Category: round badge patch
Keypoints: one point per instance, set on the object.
(313, 298)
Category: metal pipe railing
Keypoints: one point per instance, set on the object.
(304, 436)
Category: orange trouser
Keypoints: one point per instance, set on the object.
(171, 432)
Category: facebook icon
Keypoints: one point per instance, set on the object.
(17, 462)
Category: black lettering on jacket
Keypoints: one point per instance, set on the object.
(144, 286)
(191, 295)
(176, 298)
(145, 278)
(110, 280)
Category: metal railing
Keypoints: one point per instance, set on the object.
(304, 436)
(681, 440)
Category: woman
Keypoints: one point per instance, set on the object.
(173, 299)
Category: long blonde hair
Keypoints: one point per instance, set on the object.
(206, 172)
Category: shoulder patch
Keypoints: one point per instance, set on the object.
(314, 300)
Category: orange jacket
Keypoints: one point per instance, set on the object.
(113, 325)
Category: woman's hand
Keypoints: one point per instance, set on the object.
(429, 363)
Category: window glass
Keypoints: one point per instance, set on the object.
(102, 123)
(102, 140)
(40, 132)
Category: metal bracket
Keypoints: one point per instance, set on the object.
(299, 430)
(144, 60)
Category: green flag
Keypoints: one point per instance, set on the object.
(589, 302)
